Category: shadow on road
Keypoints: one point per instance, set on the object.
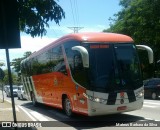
(79, 121)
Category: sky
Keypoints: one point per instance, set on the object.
(92, 15)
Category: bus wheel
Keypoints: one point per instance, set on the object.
(154, 95)
(68, 107)
(34, 102)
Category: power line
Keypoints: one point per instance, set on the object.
(74, 8)
(75, 29)
(72, 12)
(76, 12)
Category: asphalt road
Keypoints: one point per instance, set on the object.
(149, 114)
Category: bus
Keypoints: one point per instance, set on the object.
(87, 73)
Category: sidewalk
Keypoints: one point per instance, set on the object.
(6, 115)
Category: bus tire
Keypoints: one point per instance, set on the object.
(67, 107)
(34, 101)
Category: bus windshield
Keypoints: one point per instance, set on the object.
(113, 67)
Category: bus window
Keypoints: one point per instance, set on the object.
(101, 68)
(128, 65)
(74, 58)
(113, 67)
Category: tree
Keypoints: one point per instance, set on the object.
(27, 54)
(16, 62)
(14, 78)
(34, 15)
(1, 64)
(139, 19)
(17, 67)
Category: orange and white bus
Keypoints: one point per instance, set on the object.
(86, 73)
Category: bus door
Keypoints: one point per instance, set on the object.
(80, 76)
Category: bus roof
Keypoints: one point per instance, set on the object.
(99, 37)
(89, 37)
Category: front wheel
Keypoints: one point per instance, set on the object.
(154, 96)
(68, 107)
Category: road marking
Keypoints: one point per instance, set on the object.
(33, 119)
(148, 119)
(149, 106)
(38, 116)
(154, 103)
(9, 109)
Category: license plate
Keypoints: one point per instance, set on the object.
(121, 108)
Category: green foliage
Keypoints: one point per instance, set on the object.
(139, 19)
(16, 67)
(14, 78)
(35, 15)
(1, 64)
(16, 62)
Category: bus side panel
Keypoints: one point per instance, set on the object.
(50, 88)
(45, 88)
(26, 87)
(82, 102)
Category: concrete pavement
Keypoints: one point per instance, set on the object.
(6, 115)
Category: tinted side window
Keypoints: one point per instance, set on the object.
(58, 60)
(50, 61)
(70, 53)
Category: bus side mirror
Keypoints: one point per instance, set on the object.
(84, 53)
(149, 50)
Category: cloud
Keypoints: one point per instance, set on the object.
(27, 44)
(34, 44)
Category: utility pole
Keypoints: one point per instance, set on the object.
(75, 29)
(2, 74)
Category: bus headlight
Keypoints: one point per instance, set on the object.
(95, 99)
(140, 94)
(100, 100)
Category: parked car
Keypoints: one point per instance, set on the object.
(152, 88)
(15, 89)
(5, 87)
(21, 93)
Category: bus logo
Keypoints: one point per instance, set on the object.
(121, 101)
(122, 94)
(55, 82)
